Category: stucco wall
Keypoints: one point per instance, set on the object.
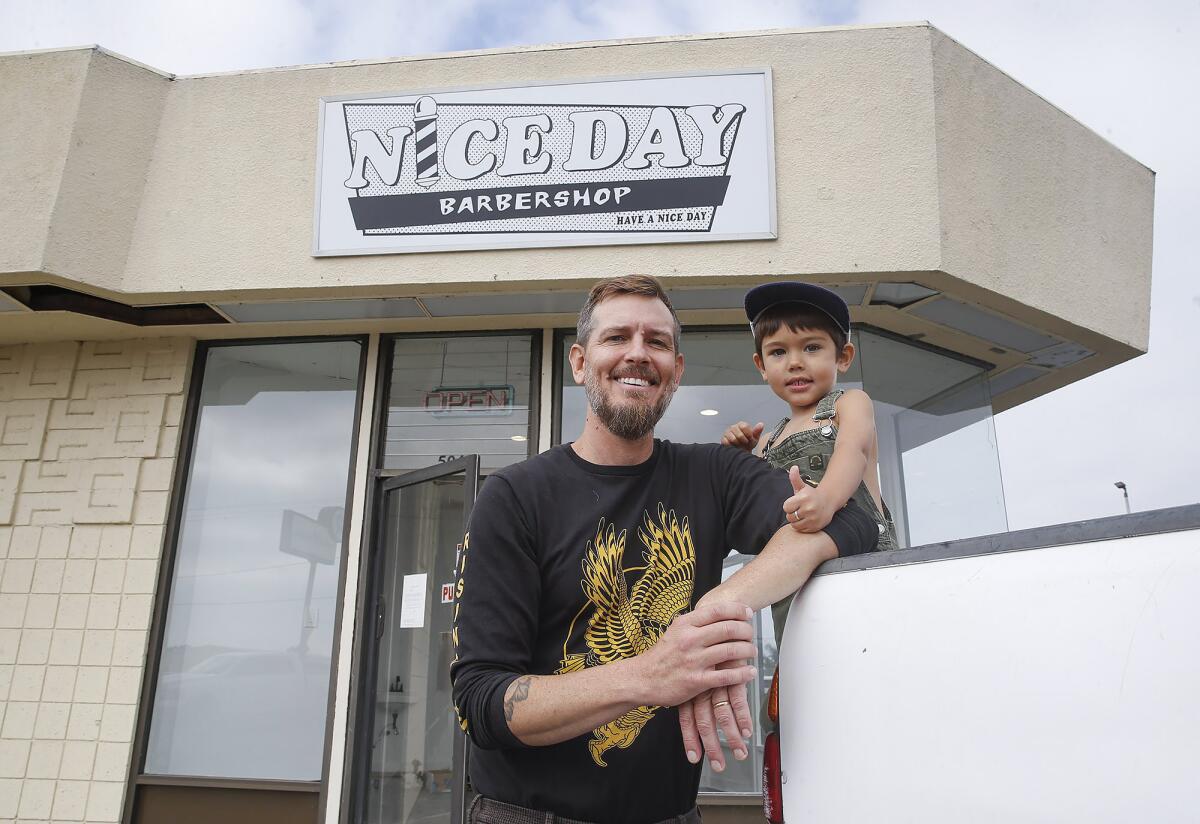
(39, 95)
(1036, 208)
(101, 191)
(88, 435)
(229, 200)
(899, 155)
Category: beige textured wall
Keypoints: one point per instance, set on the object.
(39, 95)
(1037, 208)
(101, 190)
(229, 201)
(899, 155)
(88, 435)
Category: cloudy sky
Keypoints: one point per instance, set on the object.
(1129, 71)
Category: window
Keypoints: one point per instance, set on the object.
(459, 395)
(244, 676)
(938, 461)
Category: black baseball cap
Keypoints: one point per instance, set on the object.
(761, 298)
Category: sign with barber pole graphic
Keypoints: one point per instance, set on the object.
(643, 160)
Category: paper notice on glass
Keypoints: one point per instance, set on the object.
(412, 602)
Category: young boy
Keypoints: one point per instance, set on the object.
(801, 344)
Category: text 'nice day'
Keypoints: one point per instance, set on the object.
(521, 151)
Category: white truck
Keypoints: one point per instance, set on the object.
(1048, 675)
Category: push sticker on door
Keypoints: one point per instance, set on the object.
(447, 593)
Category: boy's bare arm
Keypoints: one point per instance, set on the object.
(815, 507)
(783, 566)
(744, 436)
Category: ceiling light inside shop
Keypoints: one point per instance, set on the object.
(982, 324)
(709, 412)
(900, 294)
(511, 303)
(301, 310)
(518, 438)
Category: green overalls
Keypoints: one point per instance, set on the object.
(811, 450)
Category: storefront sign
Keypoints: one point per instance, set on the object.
(491, 400)
(647, 160)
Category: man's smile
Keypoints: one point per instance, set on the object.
(637, 380)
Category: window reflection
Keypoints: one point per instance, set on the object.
(938, 462)
(244, 676)
(453, 396)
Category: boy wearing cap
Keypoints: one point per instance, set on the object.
(801, 344)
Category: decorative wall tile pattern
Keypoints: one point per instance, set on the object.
(37, 371)
(88, 437)
(22, 428)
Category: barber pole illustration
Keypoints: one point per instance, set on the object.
(425, 121)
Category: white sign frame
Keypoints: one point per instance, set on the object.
(763, 226)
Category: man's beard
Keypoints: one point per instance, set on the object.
(631, 421)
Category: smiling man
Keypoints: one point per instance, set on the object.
(595, 653)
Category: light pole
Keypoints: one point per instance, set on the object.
(1124, 491)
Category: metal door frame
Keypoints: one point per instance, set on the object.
(468, 465)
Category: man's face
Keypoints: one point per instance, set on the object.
(629, 367)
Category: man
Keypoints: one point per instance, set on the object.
(578, 631)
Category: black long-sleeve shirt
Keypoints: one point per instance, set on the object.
(568, 565)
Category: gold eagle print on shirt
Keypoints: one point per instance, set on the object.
(626, 622)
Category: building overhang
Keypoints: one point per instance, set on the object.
(951, 205)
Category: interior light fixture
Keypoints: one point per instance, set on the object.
(709, 412)
(518, 438)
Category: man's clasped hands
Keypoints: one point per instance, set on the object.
(702, 665)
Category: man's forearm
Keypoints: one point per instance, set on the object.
(782, 567)
(692, 656)
(546, 709)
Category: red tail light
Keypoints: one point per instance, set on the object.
(773, 699)
(772, 780)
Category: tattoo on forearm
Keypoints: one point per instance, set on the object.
(517, 693)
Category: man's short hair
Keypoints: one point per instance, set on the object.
(644, 285)
(797, 317)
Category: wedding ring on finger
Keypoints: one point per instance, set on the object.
(721, 704)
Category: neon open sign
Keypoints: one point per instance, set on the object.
(471, 400)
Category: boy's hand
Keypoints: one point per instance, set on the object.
(807, 510)
(742, 435)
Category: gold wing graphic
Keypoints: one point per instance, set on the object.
(621, 624)
(613, 631)
(618, 733)
(665, 589)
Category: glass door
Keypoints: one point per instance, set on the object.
(411, 754)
